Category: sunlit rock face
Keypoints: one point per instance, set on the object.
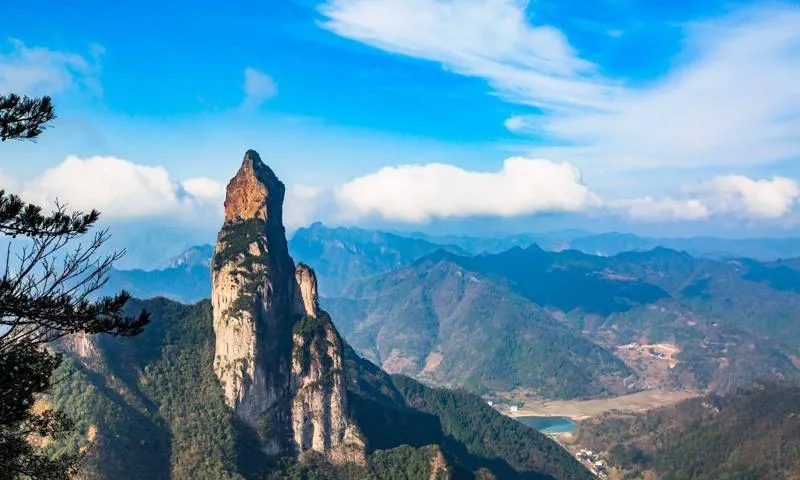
(278, 356)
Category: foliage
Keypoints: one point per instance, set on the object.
(482, 335)
(237, 238)
(45, 292)
(401, 463)
(477, 436)
(24, 118)
(313, 332)
(157, 411)
(163, 380)
(26, 372)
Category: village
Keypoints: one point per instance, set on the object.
(593, 462)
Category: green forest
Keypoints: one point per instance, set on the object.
(151, 407)
(750, 434)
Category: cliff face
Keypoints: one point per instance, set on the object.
(278, 356)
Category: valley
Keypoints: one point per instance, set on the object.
(578, 410)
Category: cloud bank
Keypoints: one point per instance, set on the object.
(126, 191)
(123, 190)
(419, 193)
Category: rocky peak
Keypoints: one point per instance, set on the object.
(255, 192)
(278, 356)
(197, 255)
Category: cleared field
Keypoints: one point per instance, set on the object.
(583, 409)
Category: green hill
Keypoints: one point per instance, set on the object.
(676, 321)
(151, 407)
(451, 326)
(753, 433)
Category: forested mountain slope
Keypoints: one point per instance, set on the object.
(151, 407)
(752, 433)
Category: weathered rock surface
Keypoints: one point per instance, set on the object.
(307, 303)
(80, 344)
(278, 356)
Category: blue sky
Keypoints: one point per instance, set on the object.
(641, 115)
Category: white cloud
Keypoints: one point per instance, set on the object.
(124, 190)
(302, 205)
(491, 39)
(748, 198)
(258, 87)
(204, 188)
(7, 183)
(734, 100)
(516, 124)
(418, 193)
(729, 195)
(39, 71)
(650, 209)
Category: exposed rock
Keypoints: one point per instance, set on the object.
(278, 356)
(80, 344)
(439, 468)
(255, 192)
(319, 405)
(307, 290)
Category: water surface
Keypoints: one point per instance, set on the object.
(549, 424)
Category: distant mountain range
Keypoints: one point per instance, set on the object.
(559, 324)
(341, 255)
(765, 249)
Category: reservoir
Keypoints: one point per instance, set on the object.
(549, 424)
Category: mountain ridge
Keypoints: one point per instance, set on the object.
(631, 304)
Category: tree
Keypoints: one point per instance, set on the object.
(46, 293)
(24, 118)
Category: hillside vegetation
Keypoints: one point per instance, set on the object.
(444, 324)
(753, 433)
(559, 324)
(152, 408)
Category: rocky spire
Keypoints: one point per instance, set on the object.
(255, 192)
(278, 356)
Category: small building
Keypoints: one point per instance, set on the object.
(514, 408)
